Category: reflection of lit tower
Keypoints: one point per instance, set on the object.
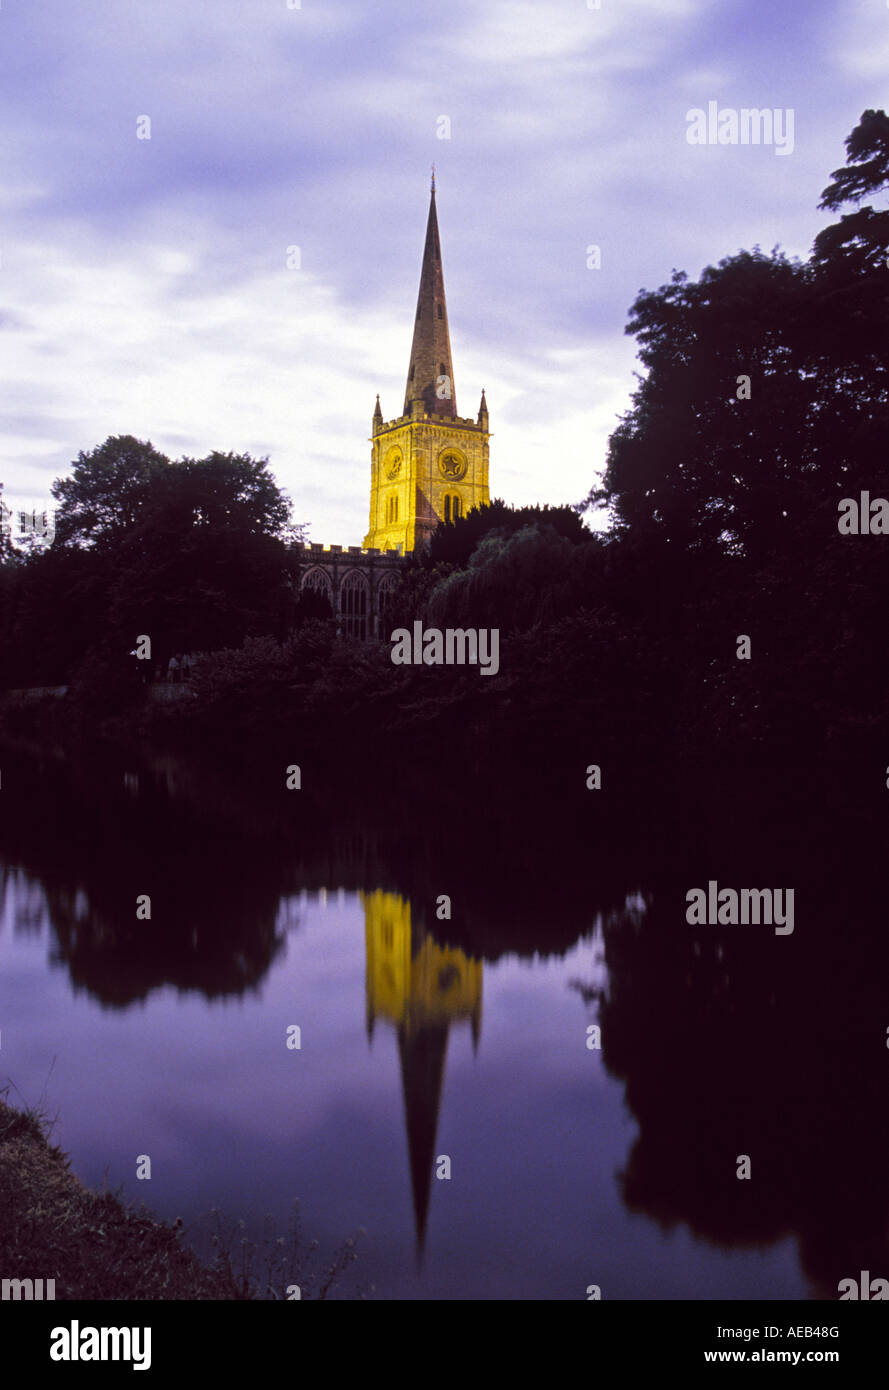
(422, 988)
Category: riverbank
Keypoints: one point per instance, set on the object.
(52, 1227)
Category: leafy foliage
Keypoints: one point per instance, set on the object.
(195, 554)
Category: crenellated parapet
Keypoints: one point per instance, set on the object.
(312, 550)
(466, 422)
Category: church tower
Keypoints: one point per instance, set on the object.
(430, 464)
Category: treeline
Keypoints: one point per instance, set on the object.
(723, 616)
(194, 553)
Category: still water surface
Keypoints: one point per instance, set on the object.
(169, 1039)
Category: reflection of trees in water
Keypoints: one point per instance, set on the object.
(27, 899)
(95, 841)
(221, 861)
(730, 1040)
(198, 937)
(733, 1041)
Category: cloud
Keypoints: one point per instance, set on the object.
(145, 282)
(863, 49)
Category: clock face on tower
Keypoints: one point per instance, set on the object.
(393, 463)
(452, 465)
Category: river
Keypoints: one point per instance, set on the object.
(529, 1081)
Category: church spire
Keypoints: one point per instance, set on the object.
(430, 380)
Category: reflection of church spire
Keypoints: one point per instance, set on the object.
(422, 1072)
(422, 988)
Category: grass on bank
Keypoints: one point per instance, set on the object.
(94, 1247)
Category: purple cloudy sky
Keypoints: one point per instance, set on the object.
(145, 282)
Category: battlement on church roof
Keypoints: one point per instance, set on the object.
(466, 421)
(315, 550)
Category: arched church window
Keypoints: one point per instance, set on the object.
(385, 590)
(411, 377)
(317, 584)
(440, 312)
(353, 605)
(317, 579)
(316, 594)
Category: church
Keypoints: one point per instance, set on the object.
(428, 465)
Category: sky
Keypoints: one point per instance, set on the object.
(148, 286)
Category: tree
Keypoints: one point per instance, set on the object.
(235, 492)
(708, 456)
(851, 263)
(7, 550)
(516, 580)
(196, 554)
(109, 492)
(455, 541)
(125, 484)
(207, 564)
(761, 378)
(765, 400)
(867, 149)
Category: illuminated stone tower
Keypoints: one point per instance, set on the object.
(430, 464)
